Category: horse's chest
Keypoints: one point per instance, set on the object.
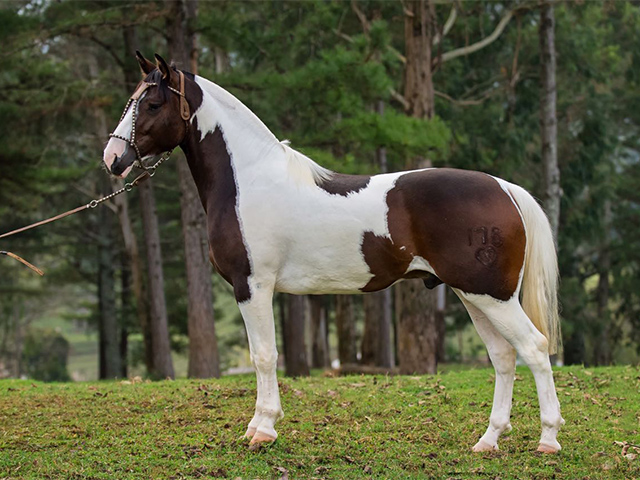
(227, 250)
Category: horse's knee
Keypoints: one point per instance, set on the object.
(265, 360)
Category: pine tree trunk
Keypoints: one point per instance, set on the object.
(126, 313)
(108, 343)
(346, 326)
(416, 316)
(161, 361)
(418, 34)
(293, 335)
(376, 340)
(603, 353)
(319, 332)
(372, 304)
(143, 308)
(203, 345)
(135, 266)
(161, 347)
(548, 122)
(417, 330)
(110, 366)
(441, 304)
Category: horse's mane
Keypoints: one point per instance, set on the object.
(304, 170)
(300, 167)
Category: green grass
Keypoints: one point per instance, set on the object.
(349, 427)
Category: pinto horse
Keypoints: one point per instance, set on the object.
(277, 221)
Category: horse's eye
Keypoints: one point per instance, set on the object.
(154, 106)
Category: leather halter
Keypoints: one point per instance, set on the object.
(185, 113)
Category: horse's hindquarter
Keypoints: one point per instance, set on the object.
(464, 224)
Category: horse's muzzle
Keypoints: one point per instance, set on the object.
(121, 164)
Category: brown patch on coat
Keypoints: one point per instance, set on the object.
(345, 185)
(210, 164)
(463, 223)
(386, 261)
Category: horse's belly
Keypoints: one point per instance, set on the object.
(321, 268)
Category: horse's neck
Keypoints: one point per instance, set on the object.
(227, 141)
(247, 137)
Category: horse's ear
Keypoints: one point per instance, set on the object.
(146, 66)
(163, 66)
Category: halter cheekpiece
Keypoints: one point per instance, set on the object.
(185, 114)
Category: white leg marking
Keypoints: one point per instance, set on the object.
(258, 317)
(503, 357)
(510, 320)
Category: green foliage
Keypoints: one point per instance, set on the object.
(348, 427)
(45, 355)
(317, 76)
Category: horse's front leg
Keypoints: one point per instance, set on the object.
(257, 313)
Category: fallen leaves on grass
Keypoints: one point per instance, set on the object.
(284, 473)
(626, 446)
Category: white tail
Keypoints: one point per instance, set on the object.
(540, 279)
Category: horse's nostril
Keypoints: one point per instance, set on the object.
(116, 166)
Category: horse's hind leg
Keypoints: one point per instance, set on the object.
(503, 357)
(510, 320)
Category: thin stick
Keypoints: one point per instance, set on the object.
(23, 261)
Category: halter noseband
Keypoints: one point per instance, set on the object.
(185, 114)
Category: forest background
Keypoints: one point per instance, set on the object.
(542, 94)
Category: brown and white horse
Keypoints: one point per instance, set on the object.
(277, 221)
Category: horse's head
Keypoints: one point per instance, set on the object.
(154, 121)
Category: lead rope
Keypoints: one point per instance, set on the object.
(148, 173)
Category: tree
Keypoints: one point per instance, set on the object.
(159, 323)
(319, 332)
(416, 314)
(110, 361)
(346, 327)
(293, 336)
(548, 123)
(204, 360)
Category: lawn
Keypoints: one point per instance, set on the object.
(347, 427)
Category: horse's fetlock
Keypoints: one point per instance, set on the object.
(273, 413)
(499, 424)
(552, 422)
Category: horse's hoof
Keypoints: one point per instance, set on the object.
(250, 433)
(262, 438)
(483, 446)
(545, 448)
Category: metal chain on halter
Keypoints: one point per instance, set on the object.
(148, 173)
